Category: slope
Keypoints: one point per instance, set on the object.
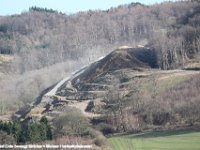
(72, 88)
(123, 71)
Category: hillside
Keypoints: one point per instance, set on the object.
(75, 87)
(122, 82)
(42, 41)
(45, 37)
(68, 76)
(122, 58)
(120, 93)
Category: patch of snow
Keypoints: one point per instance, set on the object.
(124, 47)
(140, 46)
(100, 58)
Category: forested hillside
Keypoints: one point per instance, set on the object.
(41, 46)
(96, 73)
(42, 37)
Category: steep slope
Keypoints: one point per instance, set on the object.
(74, 87)
(122, 58)
(40, 38)
(123, 77)
(137, 59)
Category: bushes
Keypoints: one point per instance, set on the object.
(100, 141)
(3, 28)
(161, 118)
(90, 106)
(178, 105)
(73, 123)
(89, 132)
(184, 99)
(6, 139)
(106, 128)
(13, 129)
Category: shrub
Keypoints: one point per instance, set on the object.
(161, 118)
(73, 123)
(100, 141)
(6, 139)
(106, 128)
(90, 133)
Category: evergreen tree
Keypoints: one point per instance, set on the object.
(45, 123)
(16, 130)
(33, 132)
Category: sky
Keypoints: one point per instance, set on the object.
(10, 7)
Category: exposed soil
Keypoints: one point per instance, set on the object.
(132, 58)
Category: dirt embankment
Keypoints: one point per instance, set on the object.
(122, 58)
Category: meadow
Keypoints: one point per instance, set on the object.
(165, 140)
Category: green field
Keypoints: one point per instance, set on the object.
(173, 140)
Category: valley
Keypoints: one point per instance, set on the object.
(127, 77)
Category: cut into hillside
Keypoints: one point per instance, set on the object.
(139, 59)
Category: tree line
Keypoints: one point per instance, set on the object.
(31, 132)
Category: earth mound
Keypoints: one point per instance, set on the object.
(124, 57)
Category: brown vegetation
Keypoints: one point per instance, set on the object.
(125, 58)
(175, 107)
(40, 38)
(44, 45)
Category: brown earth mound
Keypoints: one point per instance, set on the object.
(122, 58)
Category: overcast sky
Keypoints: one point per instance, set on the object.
(9, 7)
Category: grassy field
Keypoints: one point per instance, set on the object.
(173, 140)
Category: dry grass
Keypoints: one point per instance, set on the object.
(37, 111)
(6, 58)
